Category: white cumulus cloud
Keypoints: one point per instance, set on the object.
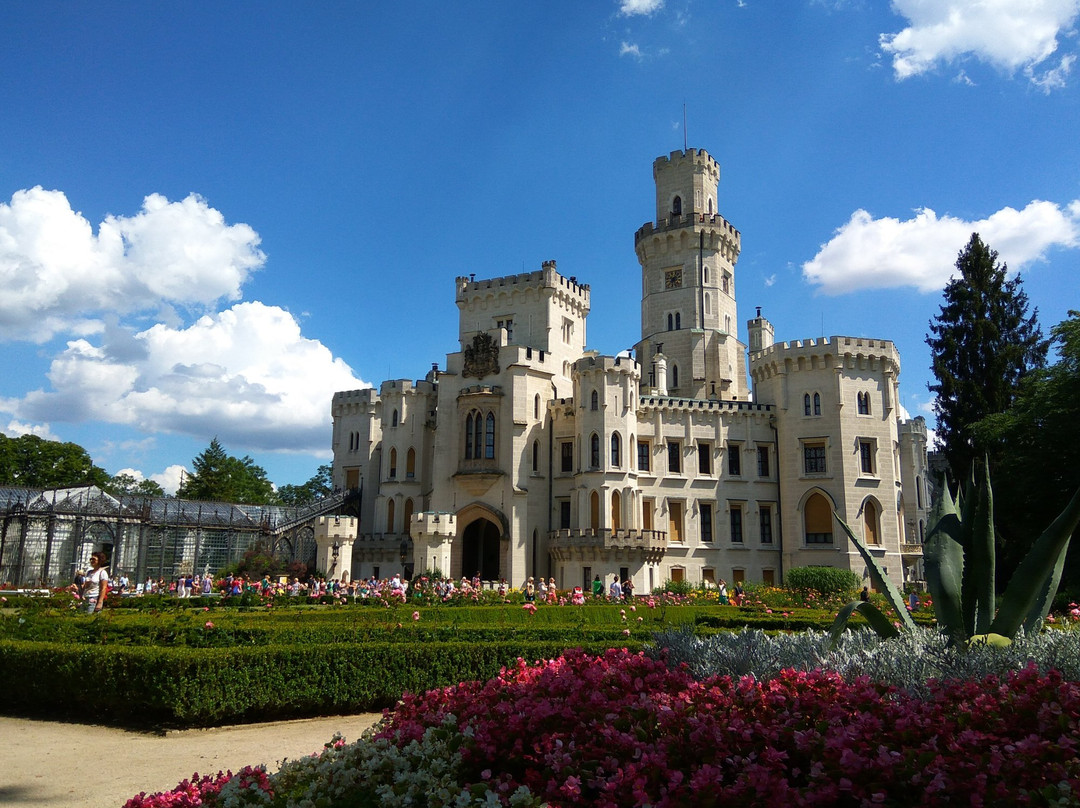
(58, 276)
(632, 8)
(869, 253)
(245, 374)
(1008, 34)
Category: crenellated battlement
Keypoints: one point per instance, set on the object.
(715, 225)
(546, 278)
(695, 404)
(678, 157)
(812, 354)
(590, 365)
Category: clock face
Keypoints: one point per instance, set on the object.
(673, 278)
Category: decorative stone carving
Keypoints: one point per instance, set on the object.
(482, 357)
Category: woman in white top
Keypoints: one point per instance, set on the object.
(96, 584)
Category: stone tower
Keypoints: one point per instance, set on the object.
(687, 262)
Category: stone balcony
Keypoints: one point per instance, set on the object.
(650, 545)
(911, 550)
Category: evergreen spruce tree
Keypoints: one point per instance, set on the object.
(983, 342)
(222, 478)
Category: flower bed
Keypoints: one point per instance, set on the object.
(624, 729)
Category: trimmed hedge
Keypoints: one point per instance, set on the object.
(143, 686)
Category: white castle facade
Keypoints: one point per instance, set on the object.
(531, 455)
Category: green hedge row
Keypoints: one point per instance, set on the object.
(141, 686)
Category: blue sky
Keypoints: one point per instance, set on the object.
(214, 215)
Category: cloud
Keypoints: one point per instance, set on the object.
(632, 8)
(1003, 33)
(15, 429)
(632, 50)
(868, 253)
(245, 374)
(59, 277)
(171, 478)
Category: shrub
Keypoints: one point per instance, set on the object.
(824, 580)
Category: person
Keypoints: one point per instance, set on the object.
(597, 587)
(530, 590)
(96, 583)
(615, 590)
(739, 592)
(553, 592)
(543, 589)
(502, 587)
(913, 600)
(864, 596)
(628, 589)
(578, 596)
(722, 591)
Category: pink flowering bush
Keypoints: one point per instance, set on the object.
(204, 791)
(622, 729)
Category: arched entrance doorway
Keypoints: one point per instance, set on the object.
(480, 550)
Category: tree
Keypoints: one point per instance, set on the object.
(318, 487)
(127, 485)
(219, 477)
(983, 343)
(34, 462)
(1036, 442)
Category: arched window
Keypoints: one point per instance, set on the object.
(394, 419)
(406, 528)
(410, 464)
(708, 303)
(393, 463)
(918, 492)
(678, 320)
(806, 404)
(489, 437)
(536, 407)
(594, 401)
(594, 451)
(817, 520)
(863, 402)
(390, 516)
(536, 456)
(674, 375)
(616, 511)
(616, 447)
(676, 206)
(469, 436)
(670, 322)
(871, 528)
(710, 206)
(594, 511)
(817, 404)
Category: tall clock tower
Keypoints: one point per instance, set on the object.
(687, 259)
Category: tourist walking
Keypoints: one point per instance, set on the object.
(96, 584)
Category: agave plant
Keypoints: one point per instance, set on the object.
(958, 556)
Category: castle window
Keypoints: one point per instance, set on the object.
(863, 403)
(616, 447)
(734, 459)
(676, 206)
(394, 419)
(866, 456)
(705, 515)
(674, 375)
(704, 458)
(536, 408)
(670, 322)
(806, 404)
(765, 524)
(871, 528)
(536, 456)
(814, 458)
(674, 457)
(567, 456)
(410, 464)
(594, 451)
(678, 321)
(406, 518)
(817, 404)
(594, 401)
(736, 524)
(390, 516)
(817, 520)
(708, 303)
(393, 463)
(724, 283)
(469, 436)
(918, 492)
(643, 456)
(489, 437)
(763, 461)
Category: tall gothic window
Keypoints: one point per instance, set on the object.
(616, 447)
(489, 437)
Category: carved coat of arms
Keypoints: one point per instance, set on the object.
(482, 357)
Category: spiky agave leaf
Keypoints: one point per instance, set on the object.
(943, 560)
(877, 619)
(979, 557)
(882, 582)
(1027, 597)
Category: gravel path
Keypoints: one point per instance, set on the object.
(48, 764)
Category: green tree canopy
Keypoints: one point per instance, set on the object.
(1035, 444)
(313, 490)
(127, 485)
(34, 462)
(219, 477)
(983, 342)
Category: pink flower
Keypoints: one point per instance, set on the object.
(209, 624)
(633, 608)
(416, 615)
(626, 632)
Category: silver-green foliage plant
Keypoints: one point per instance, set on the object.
(958, 556)
(907, 661)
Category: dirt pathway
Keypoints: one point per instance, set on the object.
(47, 764)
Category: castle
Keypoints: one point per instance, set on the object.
(529, 455)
